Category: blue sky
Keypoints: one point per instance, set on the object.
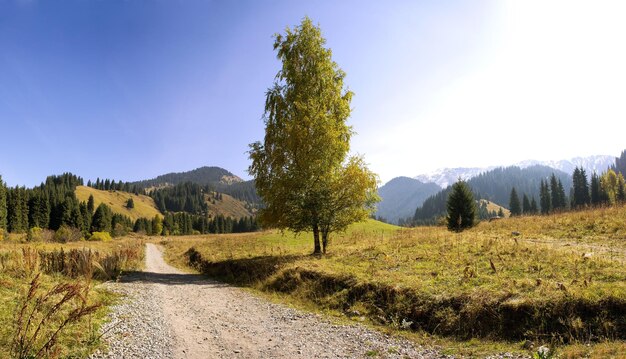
(133, 89)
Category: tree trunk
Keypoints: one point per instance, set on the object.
(324, 240)
(316, 240)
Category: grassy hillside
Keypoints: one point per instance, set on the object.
(144, 205)
(226, 206)
(562, 279)
(494, 207)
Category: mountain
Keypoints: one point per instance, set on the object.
(203, 176)
(216, 178)
(144, 206)
(591, 164)
(494, 186)
(400, 197)
(447, 176)
(444, 177)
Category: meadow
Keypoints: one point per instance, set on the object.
(514, 283)
(51, 301)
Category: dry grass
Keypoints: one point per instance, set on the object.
(227, 207)
(50, 303)
(547, 268)
(144, 205)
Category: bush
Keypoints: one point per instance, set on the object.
(100, 236)
(68, 234)
(37, 234)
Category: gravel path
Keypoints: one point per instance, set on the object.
(170, 314)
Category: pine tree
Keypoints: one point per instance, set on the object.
(514, 204)
(561, 195)
(500, 213)
(555, 200)
(3, 208)
(130, 204)
(545, 198)
(526, 205)
(596, 198)
(91, 204)
(461, 207)
(533, 206)
(102, 219)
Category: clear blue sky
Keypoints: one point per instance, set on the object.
(133, 89)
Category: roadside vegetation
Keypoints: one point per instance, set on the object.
(527, 281)
(51, 304)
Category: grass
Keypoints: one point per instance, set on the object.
(144, 205)
(62, 289)
(227, 206)
(542, 285)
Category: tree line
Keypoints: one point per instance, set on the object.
(112, 185)
(54, 206)
(609, 188)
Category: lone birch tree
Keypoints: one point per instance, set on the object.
(301, 169)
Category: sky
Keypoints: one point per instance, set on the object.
(130, 90)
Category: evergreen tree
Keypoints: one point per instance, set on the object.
(130, 204)
(514, 204)
(3, 207)
(580, 197)
(461, 207)
(545, 198)
(533, 206)
(561, 195)
(102, 219)
(501, 213)
(596, 197)
(526, 205)
(91, 204)
(555, 200)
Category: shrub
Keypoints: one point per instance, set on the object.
(37, 234)
(100, 236)
(68, 234)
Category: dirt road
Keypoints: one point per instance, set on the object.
(171, 314)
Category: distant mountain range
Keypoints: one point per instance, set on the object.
(401, 196)
(446, 176)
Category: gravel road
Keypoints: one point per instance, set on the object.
(171, 314)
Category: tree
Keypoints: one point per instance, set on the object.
(461, 207)
(3, 208)
(545, 198)
(130, 204)
(609, 184)
(514, 204)
(596, 196)
(90, 204)
(102, 219)
(500, 212)
(157, 225)
(352, 196)
(580, 188)
(526, 205)
(533, 206)
(303, 156)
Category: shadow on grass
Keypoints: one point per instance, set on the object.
(169, 279)
(241, 272)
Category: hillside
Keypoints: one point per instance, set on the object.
(226, 206)
(203, 176)
(400, 197)
(144, 205)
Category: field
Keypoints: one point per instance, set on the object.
(45, 284)
(556, 280)
(144, 205)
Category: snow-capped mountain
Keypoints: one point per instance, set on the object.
(446, 176)
(591, 164)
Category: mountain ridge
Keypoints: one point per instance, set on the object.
(446, 176)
